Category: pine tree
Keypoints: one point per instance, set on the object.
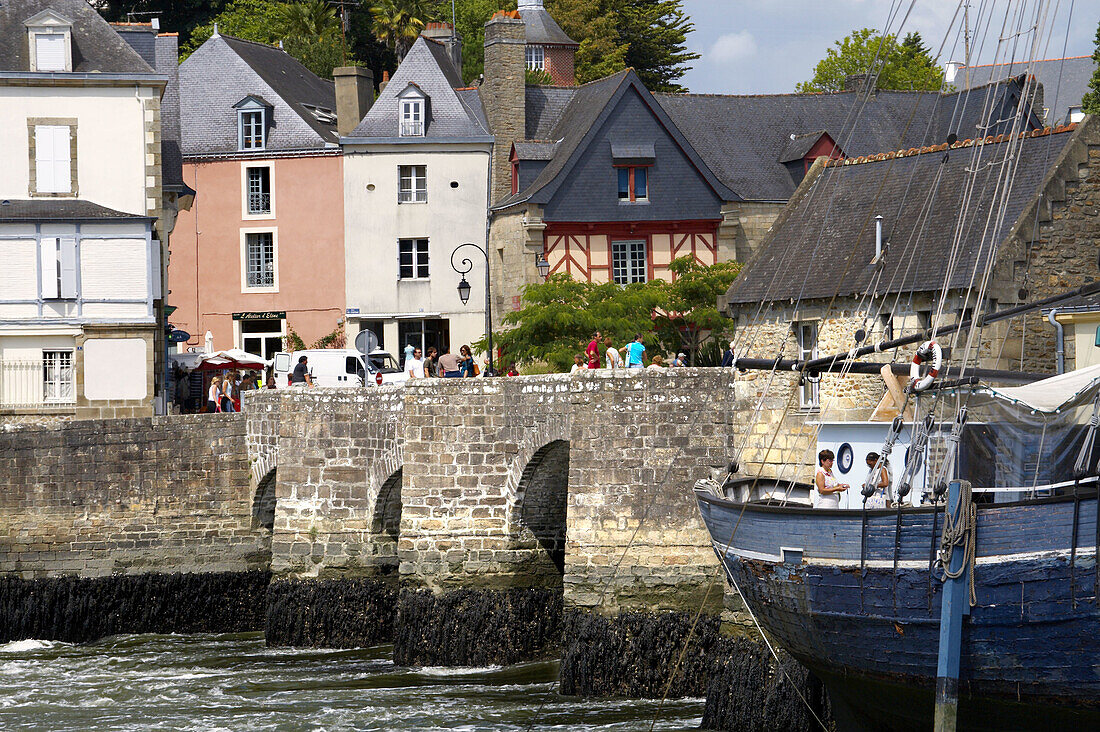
(1090, 103)
(655, 35)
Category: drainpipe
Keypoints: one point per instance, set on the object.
(878, 238)
(1059, 341)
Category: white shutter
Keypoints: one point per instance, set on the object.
(68, 268)
(51, 159)
(49, 51)
(48, 268)
(62, 160)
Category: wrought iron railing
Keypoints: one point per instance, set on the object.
(35, 383)
(259, 203)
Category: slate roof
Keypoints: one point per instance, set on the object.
(55, 209)
(800, 145)
(96, 46)
(919, 196)
(224, 70)
(545, 106)
(451, 113)
(541, 27)
(1064, 80)
(535, 150)
(744, 138)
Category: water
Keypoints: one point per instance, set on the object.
(233, 682)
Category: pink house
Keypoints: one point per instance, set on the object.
(261, 252)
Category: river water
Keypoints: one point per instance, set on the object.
(233, 682)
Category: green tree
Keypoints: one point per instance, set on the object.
(689, 319)
(654, 33)
(1090, 103)
(896, 66)
(310, 19)
(592, 24)
(399, 22)
(178, 16)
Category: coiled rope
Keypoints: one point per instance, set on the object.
(959, 532)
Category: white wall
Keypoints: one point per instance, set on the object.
(110, 140)
(374, 221)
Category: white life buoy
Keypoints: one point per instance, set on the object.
(926, 350)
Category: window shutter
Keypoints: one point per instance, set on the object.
(43, 159)
(48, 268)
(61, 160)
(49, 51)
(68, 268)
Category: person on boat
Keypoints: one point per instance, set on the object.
(828, 489)
(881, 497)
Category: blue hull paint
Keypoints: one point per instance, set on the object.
(1031, 650)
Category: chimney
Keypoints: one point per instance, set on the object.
(503, 91)
(856, 82)
(445, 34)
(385, 82)
(354, 95)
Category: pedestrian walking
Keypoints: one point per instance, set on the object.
(214, 395)
(414, 366)
(592, 352)
(448, 365)
(614, 358)
(466, 363)
(431, 363)
(635, 353)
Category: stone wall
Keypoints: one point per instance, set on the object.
(127, 496)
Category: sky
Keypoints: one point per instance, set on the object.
(768, 46)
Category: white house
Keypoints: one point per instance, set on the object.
(81, 203)
(416, 186)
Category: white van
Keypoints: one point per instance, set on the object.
(340, 367)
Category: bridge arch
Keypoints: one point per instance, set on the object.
(539, 506)
(263, 501)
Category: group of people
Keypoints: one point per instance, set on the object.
(829, 488)
(632, 355)
(446, 365)
(224, 392)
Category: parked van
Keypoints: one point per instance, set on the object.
(340, 367)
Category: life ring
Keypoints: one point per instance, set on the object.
(929, 349)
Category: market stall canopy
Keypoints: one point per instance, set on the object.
(1053, 395)
(234, 358)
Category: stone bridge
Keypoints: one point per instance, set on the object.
(538, 481)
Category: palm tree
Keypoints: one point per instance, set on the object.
(310, 19)
(399, 22)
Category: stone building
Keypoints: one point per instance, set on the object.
(820, 275)
(416, 181)
(87, 201)
(261, 251)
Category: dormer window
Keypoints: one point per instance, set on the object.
(536, 58)
(412, 103)
(50, 42)
(252, 120)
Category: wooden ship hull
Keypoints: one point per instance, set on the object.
(867, 621)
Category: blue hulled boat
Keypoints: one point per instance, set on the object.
(855, 594)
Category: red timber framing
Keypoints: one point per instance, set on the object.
(584, 250)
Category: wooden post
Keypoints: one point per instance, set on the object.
(956, 604)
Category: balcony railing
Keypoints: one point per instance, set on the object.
(412, 128)
(35, 384)
(259, 203)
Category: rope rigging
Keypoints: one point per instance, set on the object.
(959, 534)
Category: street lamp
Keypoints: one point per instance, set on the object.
(464, 294)
(542, 265)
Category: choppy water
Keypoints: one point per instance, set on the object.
(233, 682)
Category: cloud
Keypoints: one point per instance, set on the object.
(732, 46)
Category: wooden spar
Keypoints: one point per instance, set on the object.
(955, 604)
(818, 364)
(790, 364)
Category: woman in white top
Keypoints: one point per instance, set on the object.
(828, 489)
(578, 364)
(214, 395)
(614, 359)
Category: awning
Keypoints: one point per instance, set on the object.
(632, 153)
(1056, 394)
(234, 358)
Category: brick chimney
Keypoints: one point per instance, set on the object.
(502, 92)
(445, 34)
(856, 82)
(354, 95)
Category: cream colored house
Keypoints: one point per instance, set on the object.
(81, 209)
(416, 185)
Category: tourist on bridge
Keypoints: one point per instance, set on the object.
(657, 364)
(578, 364)
(214, 395)
(467, 364)
(614, 359)
(635, 353)
(593, 351)
(680, 361)
(727, 356)
(448, 365)
(414, 366)
(300, 376)
(431, 363)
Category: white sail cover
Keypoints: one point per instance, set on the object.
(1050, 396)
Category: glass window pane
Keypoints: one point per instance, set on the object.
(641, 179)
(624, 183)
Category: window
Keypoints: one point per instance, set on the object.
(262, 337)
(49, 52)
(536, 58)
(412, 117)
(412, 257)
(53, 169)
(251, 129)
(259, 191)
(628, 261)
(412, 184)
(633, 183)
(260, 258)
(808, 395)
(515, 176)
(58, 268)
(57, 376)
